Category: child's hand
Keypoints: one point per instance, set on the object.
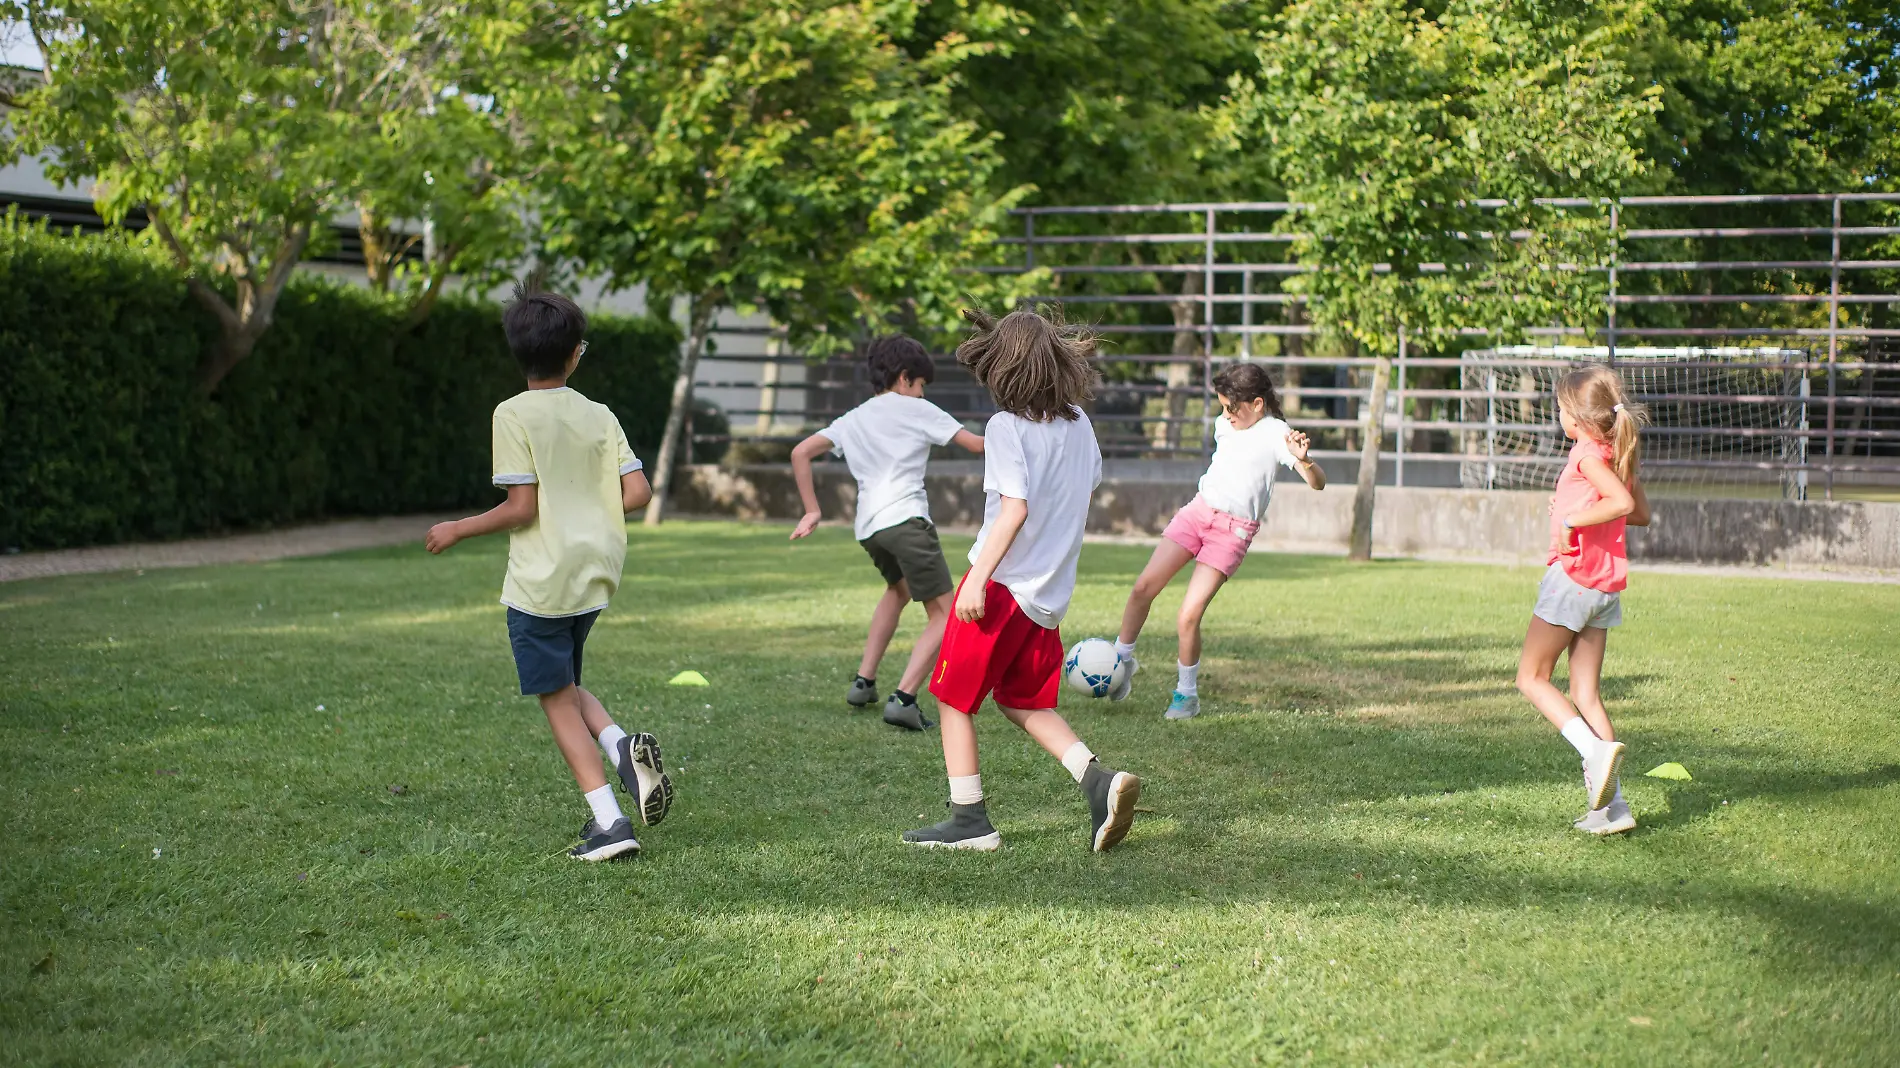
(1297, 443)
(440, 537)
(806, 524)
(1567, 542)
(970, 601)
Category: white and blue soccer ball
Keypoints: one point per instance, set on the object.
(1094, 667)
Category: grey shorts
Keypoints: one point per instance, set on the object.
(1563, 602)
(910, 553)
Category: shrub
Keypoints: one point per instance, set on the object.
(338, 412)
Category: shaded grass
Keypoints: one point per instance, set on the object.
(1360, 853)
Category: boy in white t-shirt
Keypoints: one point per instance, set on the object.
(886, 443)
(1251, 442)
(1040, 467)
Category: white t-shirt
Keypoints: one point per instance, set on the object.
(1055, 467)
(886, 443)
(1239, 479)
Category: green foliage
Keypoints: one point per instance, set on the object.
(1393, 124)
(107, 440)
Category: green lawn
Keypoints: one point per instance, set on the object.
(293, 812)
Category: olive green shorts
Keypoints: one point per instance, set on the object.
(910, 553)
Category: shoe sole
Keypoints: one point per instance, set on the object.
(652, 796)
(983, 843)
(1123, 791)
(608, 851)
(917, 723)
(1605, 786)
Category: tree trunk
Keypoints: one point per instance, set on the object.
(239, 328)
(1364, 495)
(699, 325)
(1181, 374)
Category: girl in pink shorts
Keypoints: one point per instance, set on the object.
(1251, 441)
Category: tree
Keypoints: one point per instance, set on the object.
(775, 154)
(1419, 145)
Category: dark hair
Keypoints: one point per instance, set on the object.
(1033, 367)
(543, 330)
(898, 355)
(1245, 382)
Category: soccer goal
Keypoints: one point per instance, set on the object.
(1730, 420)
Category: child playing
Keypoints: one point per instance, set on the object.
(1580, 596)
(1040, 467)
(571, 479)
(1215, 528)
(886, 442)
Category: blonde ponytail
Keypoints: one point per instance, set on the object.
(1626, 442)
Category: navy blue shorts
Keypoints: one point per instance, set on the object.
(548, 651)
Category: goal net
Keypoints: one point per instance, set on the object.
(1732, 420)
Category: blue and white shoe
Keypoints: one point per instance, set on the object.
(1184, 705)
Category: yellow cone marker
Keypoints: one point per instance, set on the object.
(694, 678)
(1671, 770)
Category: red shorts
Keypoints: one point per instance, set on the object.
(1005, 652)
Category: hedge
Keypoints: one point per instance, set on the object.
(104, 436)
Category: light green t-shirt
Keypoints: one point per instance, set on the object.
(568, 560)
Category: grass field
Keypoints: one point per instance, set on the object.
(292, 813)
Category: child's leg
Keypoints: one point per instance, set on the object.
(924, 654)
(1543, 644)
(959, 743)
(1046, 726)
(636, 758)
(1586, 676)
(1111, 794)
(1167, 561)
(884, 617)
(1202, 586)
(568, 721)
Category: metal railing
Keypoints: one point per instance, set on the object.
(1811, 276)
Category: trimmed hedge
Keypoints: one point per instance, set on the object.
(103, 436)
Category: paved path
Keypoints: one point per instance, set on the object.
(313, 540)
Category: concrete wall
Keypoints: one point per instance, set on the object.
(1507, 527)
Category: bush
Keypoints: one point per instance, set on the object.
(338, 411)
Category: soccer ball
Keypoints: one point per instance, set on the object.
(1094, 667)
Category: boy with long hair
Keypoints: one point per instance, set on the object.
(886, 443)
(1040, 467)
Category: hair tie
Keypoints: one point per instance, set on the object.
(1617, 408)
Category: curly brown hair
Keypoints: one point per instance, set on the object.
(1035, 367)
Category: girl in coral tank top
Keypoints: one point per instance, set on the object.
(1580, 598)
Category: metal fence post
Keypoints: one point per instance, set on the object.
(1833, 336)
(1207, 335)
(1491, 428)
(1398, 466)
(1029, 241)
(1615, 246)
(1246, 315)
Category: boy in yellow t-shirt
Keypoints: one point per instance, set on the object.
(571, 478)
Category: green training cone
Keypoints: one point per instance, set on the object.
(1671, 770)
(694, 678)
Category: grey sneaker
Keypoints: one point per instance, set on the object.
(597, 844)
(862, 692)
(1112, 796)
(1120, 693)
(1184, 706)
(1599, 773)
(1613, 818)
(967, 828)
(644, 777)
(908, 716)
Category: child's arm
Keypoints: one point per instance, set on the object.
(518, 510)
(802, 455)
(1614, 501)
(1639, 515)
(1297, 443)
(968, 441)
(1011, 514)
(634, 491)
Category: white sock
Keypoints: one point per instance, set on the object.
(966, 789)
(1580, 736)
(610, 743)
(1189, 682)
(1124, 648)
(1618, 796)
(606, 809)
(1077, 760)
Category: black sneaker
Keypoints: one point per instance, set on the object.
(862, 692)
(615, 841)
(906, 714)
(644, 778)
(967, 828)
(1112, 796)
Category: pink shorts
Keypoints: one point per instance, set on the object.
(1215, 538)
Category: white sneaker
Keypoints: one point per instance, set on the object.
(1599, 773)
(1613, 818)
(1120, 693)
